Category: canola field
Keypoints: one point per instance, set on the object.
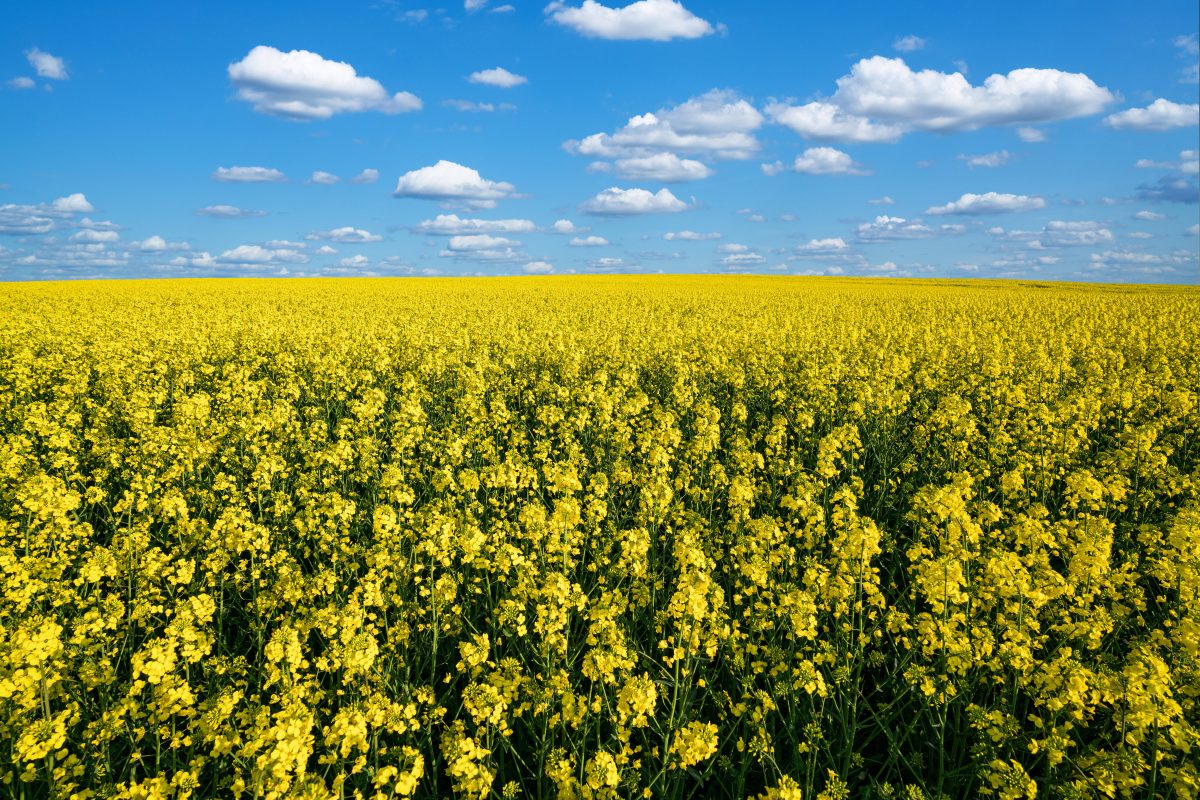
(599, 537)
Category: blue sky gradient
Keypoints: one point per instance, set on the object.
(135, 107)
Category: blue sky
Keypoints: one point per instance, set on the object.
(1047, 141)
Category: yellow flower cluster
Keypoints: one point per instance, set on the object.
(599, 538)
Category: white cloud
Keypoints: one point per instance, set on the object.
(772, 169)
(325, 178)
(480, 241)
(1030, 135)
(827, 161)
(1194, 230)
(346, 235)
(907, 44)
(1059, 233)
(301, 85)
(1161, 115)
(21, 82)
(448, 224)
(366, 176)
(883, 98)
(997, 159)
(19, 220)
(827, 122)
(832, 245)
(882, 201)
(538, 268)
(1139, 235)
(89, 235)
(253, 254)
(566, 227)
(504, 9)
(615, 201)
(46, 65)
(228, 212)
(718, 124)
(1149, 216)
(989, 203)
(72, 204)
(1188, 164)
(326, 250)
(886, 228)
(474, 5)
(657, 20)
(354, 262)
(589, 241)
(742, 259)
(447, 180)
(733, 247)
(662, 167)
(497, 76)
(691, 236)
(248, 175)
(157, 244)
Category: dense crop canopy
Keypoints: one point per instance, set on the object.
(599, 538)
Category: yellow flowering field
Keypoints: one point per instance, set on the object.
(599, 537)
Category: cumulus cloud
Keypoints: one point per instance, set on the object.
(662, 167)
(691, 236)
(1149, 216)
(989, 203)
(1030, 135)
(91, 235)
(997, 159)
(717, 124)
(354, 262)
(21, 82)
(589, 241)
(325, 178)
(827, 161)
(449, 224)
(615, 201)
(72, 204)
(346, 235)
(882, 201)
(538, 268)
(366, 176)
(46, 65)
(497, 76)
(480, 241)
(566, 227)
(248, 175)
(157, 244)
(907, 44)
(883, 98)
(1161, 115)
(228, 212)
(832, 245)
(301, 85)
(449, 181)
(656, 20)
(254, 255)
